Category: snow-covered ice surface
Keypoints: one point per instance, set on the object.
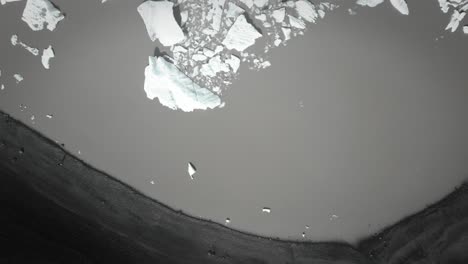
(37, 13)
(160, 23)
(175, 90)
(47, 54)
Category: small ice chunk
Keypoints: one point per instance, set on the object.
(233, 10)
(248, 3)
(191, 170)
(218, 49)
(40, 12)
(49, 116)
(160, 23)
(265, 64)
(296, 22)
(266, 210)
(260, 3)
(208, 53)
(2, 87)
(307, 227)
(213, 66)
(277, 42)
(286, 33)
(174, 89)
(152, 182)
(334, 216)
(47, 54)
(228, 220)
(8, 1)
(303, 235)
(199, 57)
(241, 35)
(261, 17)
(183, 17)
(306, 10)
(465, 29)
(401, 6)
(18, 78)
(15, 41)
(279, 14)
(369, 3)
(455, 20)
(234, 63)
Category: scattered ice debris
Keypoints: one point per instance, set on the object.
(160, 22)
(465, 29)
(401, 6)
(40, 12)
(351, 12)
(191, 170)
(214, 66)
(15, 41)
(241, 35)
(369, 3)
(333, 217)
(174, 89)
(455, 19)
(228, 220)
(266, 210)
(18, 78)
(47, 54)
(8, 1)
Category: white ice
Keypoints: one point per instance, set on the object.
(160, 23)
(191, 170)
(213, 66)
(306, 10)
(401, 6)
(174, 89)
(286, 33)
(260, 3)
(40, 12)
(8, 1)
(18, 78)
(15, 41)
(233, 10)
(234, 63)
(266, 210)
(279, 14)
(248, 3)
(241, 35)
(296, 22)
(455, 20)
(465, 29)
(369, 3)
(47, 54)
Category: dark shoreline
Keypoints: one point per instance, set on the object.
(61, 210)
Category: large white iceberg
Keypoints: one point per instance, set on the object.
(160, 23)
(401, 6)
(241, 35)
(40, 12)
(174, 89)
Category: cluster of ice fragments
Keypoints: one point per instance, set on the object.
(210, 39)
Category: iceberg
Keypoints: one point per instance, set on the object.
(401, 6)
(241, 35)
(47, 54)
(306, 10)
(160, 22)
(174, 89)
(296, 22)
(40, 12)
(191, 170)
(234, 63)
(279, 14)
(369, 3)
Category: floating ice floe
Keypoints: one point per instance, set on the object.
(234, 63)
(296, 22)
(279, 15)
(191, 170)
(174, 89)
(260, 3)
(241, 35)
(465, 29)
(369, 3)
(248, 3)
(233, 10)
(455, 19)
(47, 54)
(18, 78)
(15, 41)
(8, 1)
(2, 87)
(401, 6)
(213, 66)
(306, 10)
(266, 210)
(160, 23)
(37, 13)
